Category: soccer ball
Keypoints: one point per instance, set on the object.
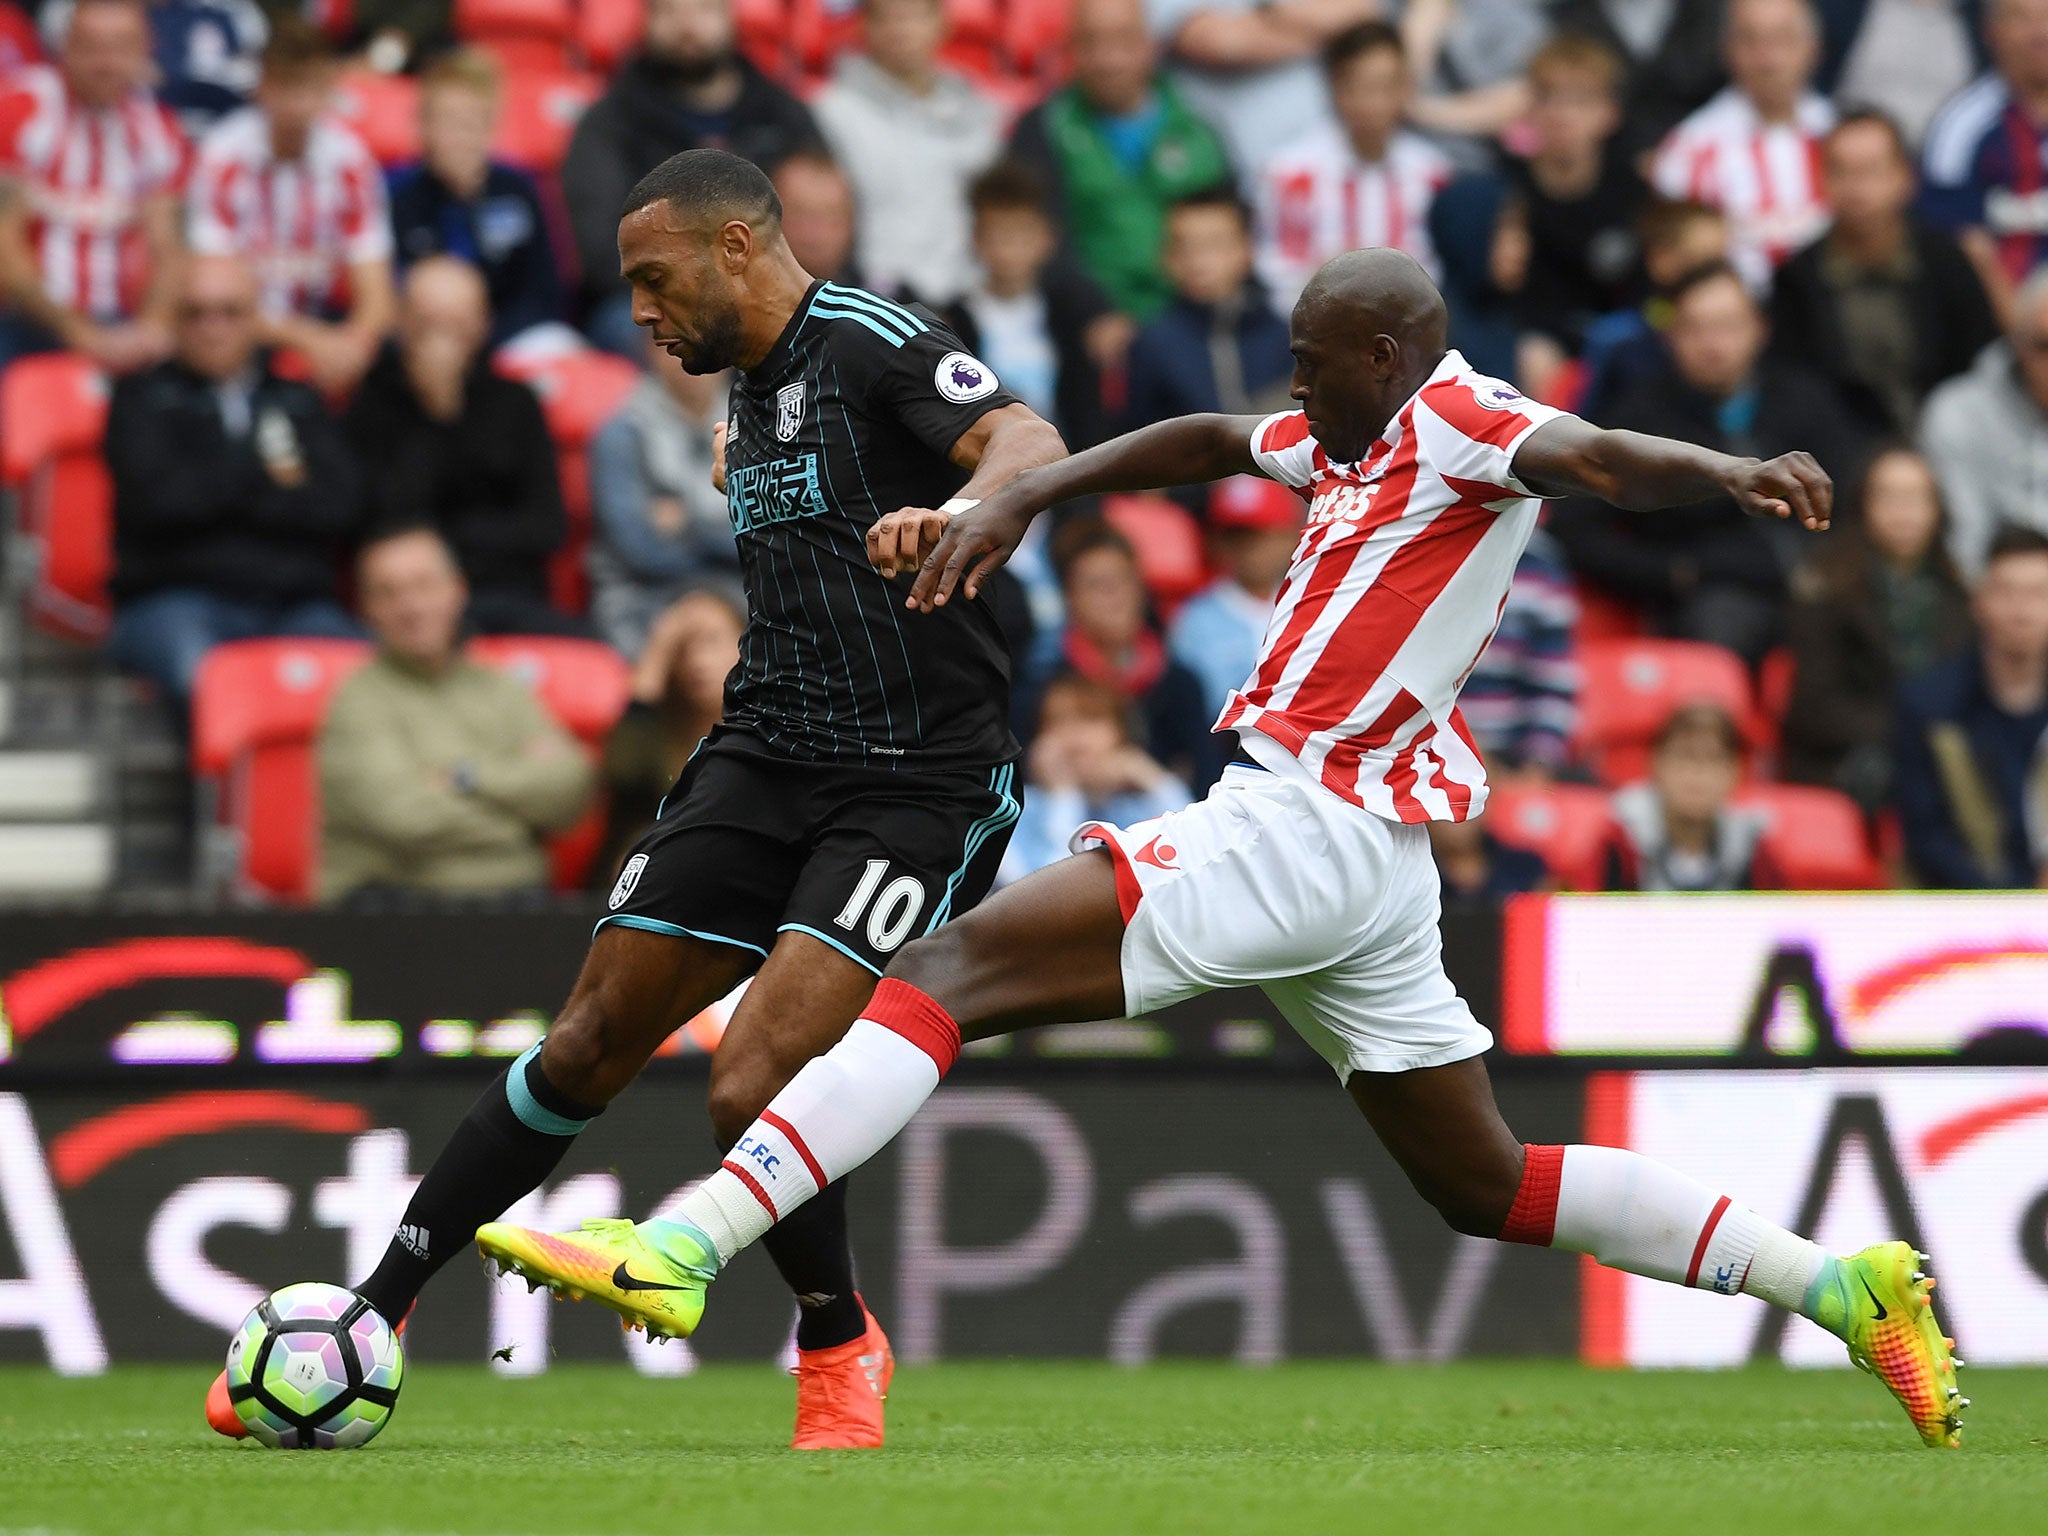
(314, 1368)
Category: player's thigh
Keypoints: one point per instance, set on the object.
(636, 989)
(801, 1001)
(1046, 950)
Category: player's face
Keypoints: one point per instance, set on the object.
(682, 292)
(1335, 387)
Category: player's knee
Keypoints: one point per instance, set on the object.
(585, 1054)
(736, 1097)
(1473, 1203)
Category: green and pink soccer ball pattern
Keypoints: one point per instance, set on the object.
(314, 1368)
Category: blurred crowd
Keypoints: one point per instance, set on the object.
(1755, 224)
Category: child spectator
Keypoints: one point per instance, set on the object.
(458, 201)
(1109, 640)
(1566, 251)
(1879, 602)
(1754, 150)
(1118, 146)
(1219, 346)
(1671, 48)
(1626, 347)
(89, 242)
(661, 526)
(1254, 525)
(1083, 767)
(817, 215)
(1477, 868)
(1678, 831)
(292, 190)
(1522, 700)
(1040, 322)
(1972, 785)
(911, 135)
(678, 696)
(1359, 180)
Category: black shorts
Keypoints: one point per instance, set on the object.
(750, 844)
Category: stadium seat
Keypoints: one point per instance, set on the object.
(1171, 558)
(540, 111)
(1817, 837)
(773, 33)
(1606, 618)
(1567, 824)
(585, 685)
(974, 36)
(1776, 677)
(1036, 34)
(256, 712)
(53, 414)
(521, 34)
(384, 110)
(1629, 688)
(578, 393)
(608, 30)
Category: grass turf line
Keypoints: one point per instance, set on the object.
(1033, 1449)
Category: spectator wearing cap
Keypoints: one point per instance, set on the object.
(1754, 150)
(289, 187)
(911, 135)
(1254, 526)
(1886, 305)
(1036, 318)
(458, 201)
(1117, 146)
(1522, 699)
(1109, 639)
(1220, 345)
(1679, 830)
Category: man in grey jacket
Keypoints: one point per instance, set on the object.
(1986, 434)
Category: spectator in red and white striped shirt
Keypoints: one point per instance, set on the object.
(91, 166)
(292, 190)
(1358, 181)
(1754, 151)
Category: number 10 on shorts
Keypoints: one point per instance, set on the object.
(889, 914)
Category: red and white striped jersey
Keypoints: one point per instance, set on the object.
(1317, 199)
(85, 175)
(303, 222)
(1764, 176)
(1396, 587)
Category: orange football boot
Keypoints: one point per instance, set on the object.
(839, 1392)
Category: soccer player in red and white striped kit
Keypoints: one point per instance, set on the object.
(1307, 870)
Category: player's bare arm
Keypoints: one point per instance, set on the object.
(1642, 473)
(976, 541)
(1001, 445)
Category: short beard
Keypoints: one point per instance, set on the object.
(718, 347)
(691, 73)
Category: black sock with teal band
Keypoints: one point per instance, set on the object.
(511, 1139)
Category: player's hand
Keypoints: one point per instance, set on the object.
(718, 458)
(901, 540)
(972, 545)
(1790, 486)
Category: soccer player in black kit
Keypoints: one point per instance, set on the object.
(860, 792)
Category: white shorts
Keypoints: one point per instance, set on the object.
(1274, 882)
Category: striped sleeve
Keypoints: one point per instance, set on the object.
(1488, 421)
(1284, 450)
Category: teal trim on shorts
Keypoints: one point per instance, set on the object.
(656, 925)
(825, 938)
(534, 1115)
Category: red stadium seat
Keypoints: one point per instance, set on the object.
(522, 34)
(1629, 688)
(1567, 824)
(1606, 618)
(578, 392)
(1776, 677)
(585, 685)
(53, 414)
(384, 110)
(540, 111)
(608, 30)
(1171, 558)
(1817, 837)
(1036, 34)
(256, 712)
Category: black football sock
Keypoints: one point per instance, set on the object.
(809, 1246)
(511, 1139)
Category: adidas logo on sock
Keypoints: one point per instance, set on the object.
(413, 1240)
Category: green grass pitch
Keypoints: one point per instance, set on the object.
(1048, 1450)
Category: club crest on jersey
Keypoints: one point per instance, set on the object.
(789, 411)
(628, 878)
(962, 378)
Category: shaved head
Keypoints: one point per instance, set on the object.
(1368, 329)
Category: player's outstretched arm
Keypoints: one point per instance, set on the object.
(1184, 451)
(1642, 473)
